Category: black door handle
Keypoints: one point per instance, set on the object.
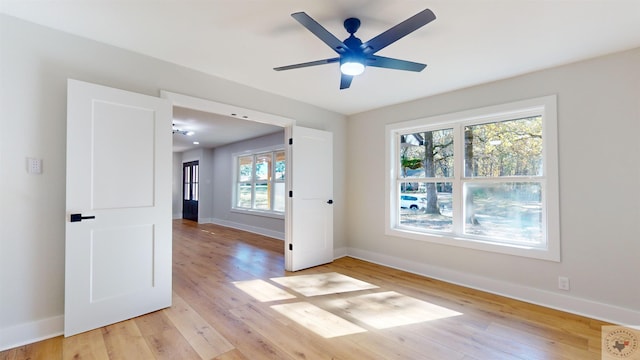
(330, 202)
(79, 217)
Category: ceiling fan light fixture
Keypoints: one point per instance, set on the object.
(352, 67)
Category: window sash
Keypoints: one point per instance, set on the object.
(260, 190)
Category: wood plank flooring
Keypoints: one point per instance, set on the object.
(228, 305)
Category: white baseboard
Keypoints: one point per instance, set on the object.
(571, 304)
(177, 216)
(31, 332)
(340, 252)
(252, 229)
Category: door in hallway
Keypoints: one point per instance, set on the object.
(190, 175)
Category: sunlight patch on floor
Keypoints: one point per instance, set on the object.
(389, 309)
(323, 284)
(317, 320)
(262, 290)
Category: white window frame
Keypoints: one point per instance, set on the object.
(234, 198)
(545, 106)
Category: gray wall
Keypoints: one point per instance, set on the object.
(176, 189)
(599, 126)
(35, 64)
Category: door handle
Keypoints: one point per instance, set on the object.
(330, 202)
(79, 217)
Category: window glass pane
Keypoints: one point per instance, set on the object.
(195, 173)
(427, 154)
(426, 205)
(262, 196)
(263, 166)
(511, 212)
(245, 168)
(243, 196)
(506, 148)
(187, 174)
(280, 165)
(194, 195)
(279, 196)
(186, 195)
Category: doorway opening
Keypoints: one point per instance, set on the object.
(312, 229)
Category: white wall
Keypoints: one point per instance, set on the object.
(599, 148)
(35, 63)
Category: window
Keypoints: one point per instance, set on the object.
(484, 179)
(260, 181)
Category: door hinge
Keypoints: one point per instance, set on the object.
(290, 193)
(291, 247)
(290, 141)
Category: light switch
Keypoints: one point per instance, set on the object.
(34, 166)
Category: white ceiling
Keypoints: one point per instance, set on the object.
(213, 130)
(470, 42)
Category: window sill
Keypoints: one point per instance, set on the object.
(262, 213)
(549, 254)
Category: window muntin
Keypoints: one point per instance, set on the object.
(260, 181)
(488, 178)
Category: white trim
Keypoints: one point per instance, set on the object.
(278, 235)
(256, 212)
(559, 301)
(27, 333)
(545, 106)
(265, 149)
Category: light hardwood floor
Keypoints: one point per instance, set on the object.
(229, 303)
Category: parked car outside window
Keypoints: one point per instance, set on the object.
(413, 202)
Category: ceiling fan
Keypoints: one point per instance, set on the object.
(354, 55)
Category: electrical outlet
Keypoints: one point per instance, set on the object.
(563, 283)
(34, 166)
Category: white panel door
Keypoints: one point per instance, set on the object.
(118, 258)
(309, 236)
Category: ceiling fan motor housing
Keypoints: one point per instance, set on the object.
(352, 25)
